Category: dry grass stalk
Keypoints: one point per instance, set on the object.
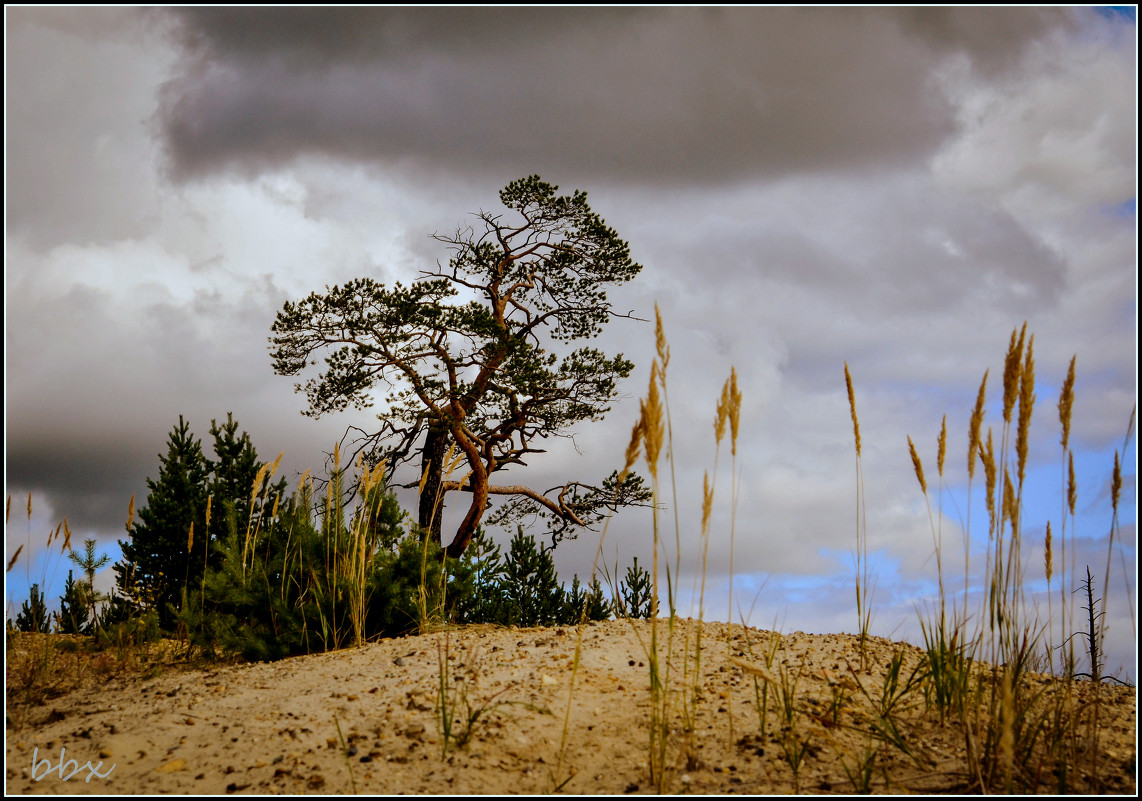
(863, 573)
(131, 513)
(8, 510)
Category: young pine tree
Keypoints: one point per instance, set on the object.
(89, 563)
(637, 593)
(33, 616)
(531, 590)
(156, 562)
(73, 607)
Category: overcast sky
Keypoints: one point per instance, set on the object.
(895, 188)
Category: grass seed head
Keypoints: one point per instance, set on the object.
(190, 537)
(1115, 483)
(653, 428)
(12, 561)
(632, 450)
(277, 461)
(1047, 561)
(660, 340)
(941, 446)
(258, 480)
(1026, 407)
(990, 472)
(853, 408)
(1066, 402)
(29, 506)
(8, 510)
(1009, 511)
(1011, 368)
(735, 409)
(707, 500)
(66, 536)
(131, 513)
(917, 466)
(1072, 486)
(974, 426)
(722, 416)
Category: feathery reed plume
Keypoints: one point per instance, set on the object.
(653, 428)
(130, 513)
(52, 536)
(29, 506)
(917, 467)
(259, 479)
(736, 411)
(633, 450)
(707, 501)
(941, 446)
(66, 536)
(190, 539)
(660, 340)
(1011, 367)
(853, 408)
(1072, 485)
(1066, 401)
(987, 457)
(723, 414)
(8, 510)
(1009, 510)
(12, 561)
(1115, 484)
(974, 426)
(274, 466)
(209, 500)
(1026, 407)
(1048, 565)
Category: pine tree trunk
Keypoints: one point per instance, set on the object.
(432, 461)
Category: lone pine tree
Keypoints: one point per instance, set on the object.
(466, 355)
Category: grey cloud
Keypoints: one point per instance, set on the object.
(78, 151)
(651, 95)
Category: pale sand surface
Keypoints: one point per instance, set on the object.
(273, 728)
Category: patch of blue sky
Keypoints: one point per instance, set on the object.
(1118, 13)
(1124, 210)
(48, 568)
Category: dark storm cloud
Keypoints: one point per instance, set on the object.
(707, 94)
